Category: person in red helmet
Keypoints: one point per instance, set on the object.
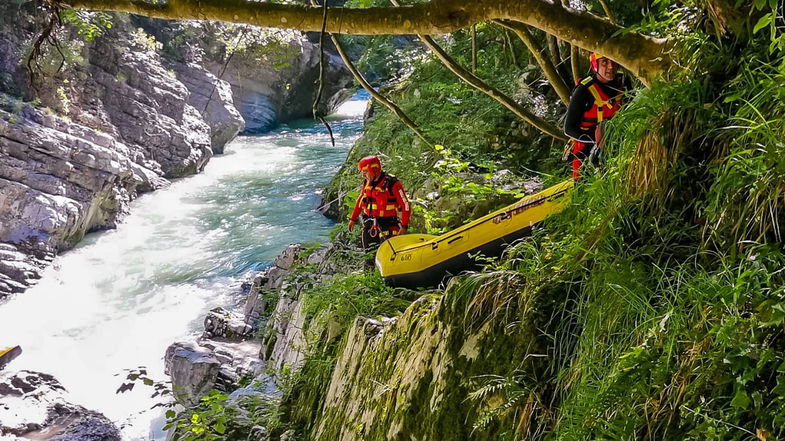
(594, 100)
(382, 202)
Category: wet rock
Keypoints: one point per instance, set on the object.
(34, 405)
(221, 323)
(91, 427)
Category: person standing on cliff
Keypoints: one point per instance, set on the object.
(594, 100)
(382, 202)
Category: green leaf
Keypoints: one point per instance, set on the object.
(779, 389)
(220, 428)
(741, 400)
(170, 414)
(763, 22)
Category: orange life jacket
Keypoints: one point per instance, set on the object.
(378, 200)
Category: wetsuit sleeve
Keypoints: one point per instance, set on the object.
(357, 206)
(403, 204)
(580, 101)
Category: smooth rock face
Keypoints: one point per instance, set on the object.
(34, 406)
(267, 95)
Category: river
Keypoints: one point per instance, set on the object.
(121, 297)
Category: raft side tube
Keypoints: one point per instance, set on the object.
(436, 274)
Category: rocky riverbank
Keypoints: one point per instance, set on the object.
(124, 114)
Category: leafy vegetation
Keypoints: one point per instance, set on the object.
(659, 291)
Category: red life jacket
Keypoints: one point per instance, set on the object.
(378, 200)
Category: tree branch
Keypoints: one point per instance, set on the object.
(375, 94)
(645, 57)
(575, 63)
(553, 76)
(474, 81)
(608, 11)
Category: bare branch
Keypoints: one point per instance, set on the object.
(553, 76)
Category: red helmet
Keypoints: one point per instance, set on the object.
(594, 60)
(371, 164)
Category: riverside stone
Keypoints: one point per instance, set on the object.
(193, 370)
(35, 405)
(221, 323)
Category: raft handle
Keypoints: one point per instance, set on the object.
(454, 239)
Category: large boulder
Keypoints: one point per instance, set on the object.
(193, 370)
(198, 367)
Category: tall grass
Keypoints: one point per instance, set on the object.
(747, 201)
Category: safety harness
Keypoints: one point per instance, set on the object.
(604, 107)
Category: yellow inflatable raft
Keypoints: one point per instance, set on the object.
(420, 260)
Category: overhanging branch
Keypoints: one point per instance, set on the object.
(646, 57)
